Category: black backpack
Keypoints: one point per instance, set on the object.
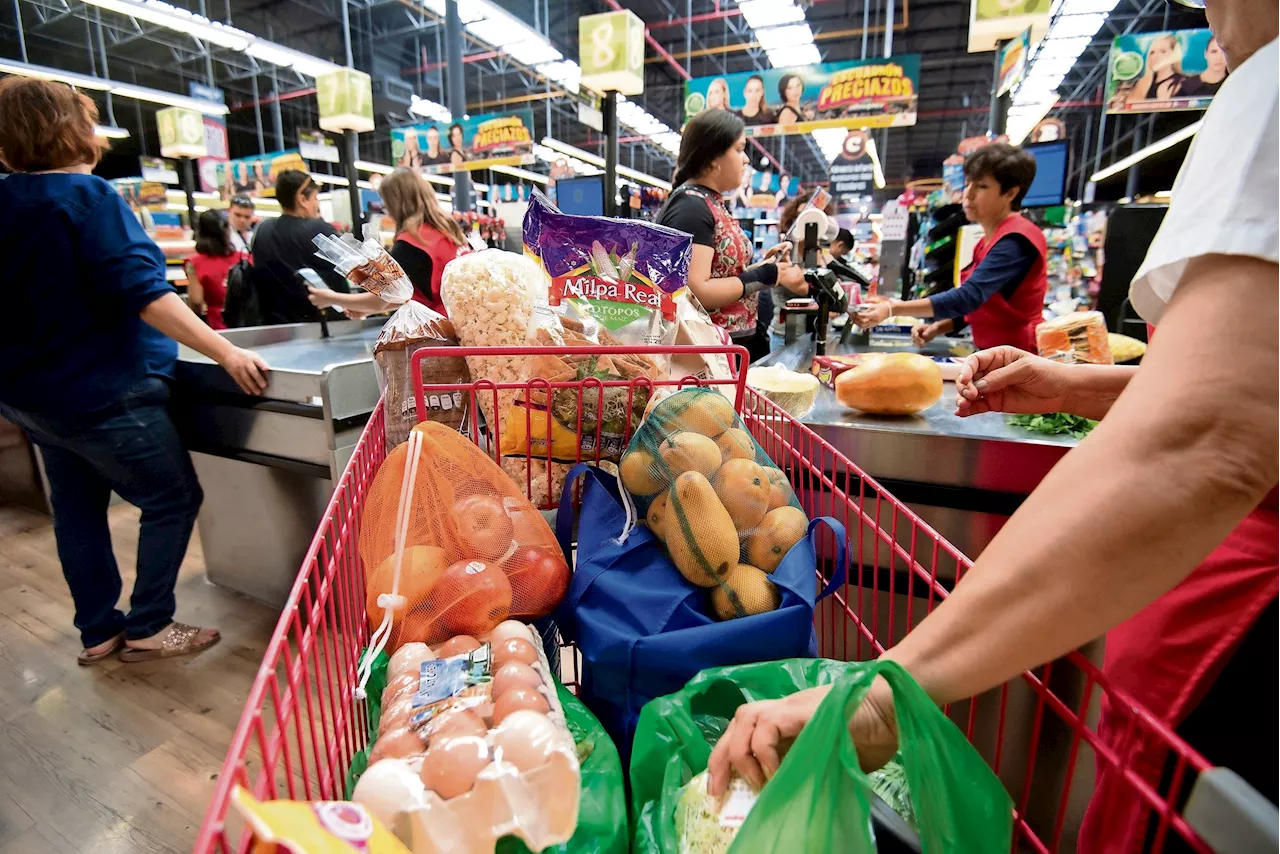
(241, 307)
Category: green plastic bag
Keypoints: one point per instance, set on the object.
(819, 799)
(602, 804)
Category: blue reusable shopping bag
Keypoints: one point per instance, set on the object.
(643, 630)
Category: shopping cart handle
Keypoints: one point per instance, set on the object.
(1230, 815)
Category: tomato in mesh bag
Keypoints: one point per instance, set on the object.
(703, 486)
(450, 546)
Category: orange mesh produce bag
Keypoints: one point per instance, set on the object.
(450, 545)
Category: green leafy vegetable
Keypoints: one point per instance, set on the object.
(1055, 424)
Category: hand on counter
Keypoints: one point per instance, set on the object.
(926, 332)
(1006, 379)
(247, 368)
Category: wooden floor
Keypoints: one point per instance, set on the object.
(114, 757)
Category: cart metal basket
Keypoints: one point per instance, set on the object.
(302, 724)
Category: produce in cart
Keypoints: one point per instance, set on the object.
(725, 512)
(495, 758)
(450, 547)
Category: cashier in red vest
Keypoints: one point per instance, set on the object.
(427, 239)
(1001, 295)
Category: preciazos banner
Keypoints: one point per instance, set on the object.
(479, 142)
(862, 93)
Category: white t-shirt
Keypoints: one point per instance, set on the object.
(1225, 200)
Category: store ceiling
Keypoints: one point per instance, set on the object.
(401, 46)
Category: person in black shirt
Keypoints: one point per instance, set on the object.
(282, 246)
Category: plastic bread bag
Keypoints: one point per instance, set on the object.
(366, 264)
(1079, 337)
(413, 327)
(695, 328)
(725, 512)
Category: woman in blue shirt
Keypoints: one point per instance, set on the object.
(86, 372)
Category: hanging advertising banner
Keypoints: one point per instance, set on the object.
(1048, 130)
(853, 173)
(994, 21)
(256, 176)
(1013, 62)
(316, 145)
(215, 141)
(159, 170)
(142, 194)
(479, 142)
(862, 93)
(1164, 71)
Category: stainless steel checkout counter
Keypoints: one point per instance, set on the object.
(269, 464)
(964, 477)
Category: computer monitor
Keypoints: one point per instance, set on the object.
(581, 196)
(1049, 187)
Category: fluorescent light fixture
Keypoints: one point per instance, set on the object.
(532, 52)
(794, 56)
(155, 96)
(272, 53)
(179, 19)
(517, 172)
(110, 132)
(792, 35)
(1067, 26)
(43, 72)
(430, 109)
(336, 180)
(312, 66)
(1024, 117)
(380, 168)
(442, 180)
(770, 13)
(496, 32)
(565, 72)
(628, 172)
(1142, 154)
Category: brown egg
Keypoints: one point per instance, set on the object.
(518, 699)
(458, 645)
(509, 629)
(514, 674)
(397, 715)
(449, 768)
(408, 659)
(455, 724)
(514, 649)
(396, 744)
(399, 688)
(526, 740)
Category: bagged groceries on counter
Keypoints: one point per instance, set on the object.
(643, 629)
(819, 800)
(449, 545)
(367, 264)
(476, 741)
(1074, 338)
(410, 329)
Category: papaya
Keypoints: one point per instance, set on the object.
(780, 492)
(743, 488)
(698, 410)
(744, 592)
(641, 474)
(736, 444)
(769, 543)
(685, 451)
(700, 536)
(657, 517)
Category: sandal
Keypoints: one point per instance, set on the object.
(105, 650)
(179, 639)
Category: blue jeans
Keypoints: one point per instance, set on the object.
(131, 447)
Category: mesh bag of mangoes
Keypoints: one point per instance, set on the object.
(724, 511)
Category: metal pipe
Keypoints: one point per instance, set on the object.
(888, 29)
(106, 74)
(257, 115)
(277, 121)
(22, 36)
(609, 107)
(1084, 154)
(866, 25)
(208, 57)
(346, 34)
(1131, 180)
(457, 89)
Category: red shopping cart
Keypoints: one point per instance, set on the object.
(302, 724)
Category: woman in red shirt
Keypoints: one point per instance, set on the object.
(207, 269)
(426, 240)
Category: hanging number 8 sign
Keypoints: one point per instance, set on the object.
(611, 52)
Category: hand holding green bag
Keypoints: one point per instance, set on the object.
(819, 800)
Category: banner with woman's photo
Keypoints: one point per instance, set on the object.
(1162, 71)
(862, 93)
(256, 176)
(478, 142)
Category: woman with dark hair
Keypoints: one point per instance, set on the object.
(427, 238)
(86, 373)
(712, 157)
(755, 110)
(791, 89)
(207, 269)
(457, 149)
